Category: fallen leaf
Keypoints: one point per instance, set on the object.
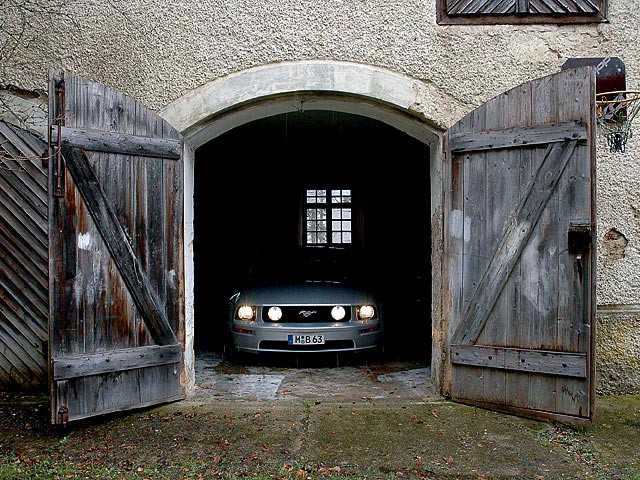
(435, 413)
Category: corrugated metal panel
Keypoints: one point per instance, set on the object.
(23, 261)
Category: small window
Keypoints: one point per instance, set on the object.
(460, 12)
(328, 217)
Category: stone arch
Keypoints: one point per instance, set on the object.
(223, 104)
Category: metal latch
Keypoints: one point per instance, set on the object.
(579, 238)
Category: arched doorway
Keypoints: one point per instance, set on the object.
(220, 106)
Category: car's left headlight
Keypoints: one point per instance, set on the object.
(365, 312)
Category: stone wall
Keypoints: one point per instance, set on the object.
(159, 51)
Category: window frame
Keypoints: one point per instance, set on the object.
(329, 205)
(443, 18)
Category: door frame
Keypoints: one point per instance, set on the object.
(395, 99)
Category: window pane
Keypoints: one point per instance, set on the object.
(335, 193)
(335, 199)
(346, 199)
(336, 213)
(336, 237)
(346, 226)
(311, 193)
(322, 200)
(322, 193)
(311, 226)
(322, 226)
(335, 226)
(311, 237)
(346, 192)
(322, 237)
(346, 237)
(322, 213)
(346, 213)
(311, 213)
(311, 199)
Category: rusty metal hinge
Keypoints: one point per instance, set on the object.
(63, 415)
(58, 173)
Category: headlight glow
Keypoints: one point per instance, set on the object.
(366, 312)
(274, 313)
(246, 312)
(338, 312)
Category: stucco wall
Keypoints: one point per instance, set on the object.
(158, 51)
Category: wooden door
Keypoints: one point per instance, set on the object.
(519, 260)
(116, 252)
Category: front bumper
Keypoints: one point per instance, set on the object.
(263, 337)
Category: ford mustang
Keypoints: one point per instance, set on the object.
(310, 301)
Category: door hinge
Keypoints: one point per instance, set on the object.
(63, 415)
(58, 171)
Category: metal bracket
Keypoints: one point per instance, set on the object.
(63, 415)
(58, 173)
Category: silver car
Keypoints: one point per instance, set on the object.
(310, 304)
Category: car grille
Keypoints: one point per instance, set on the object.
(284, 345)
(315, 314)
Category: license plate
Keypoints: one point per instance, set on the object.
(310, 339)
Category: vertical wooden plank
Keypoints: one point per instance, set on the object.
(518, 177)
(497, 116)
(574, 298)
(454, 247)
(173, 267)
(541, 392)
(474, 255)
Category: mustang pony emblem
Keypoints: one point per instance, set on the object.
(307, 313)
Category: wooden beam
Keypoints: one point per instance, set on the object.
(118, 244)
(520, 359)
(117, 142)
(518, 137)
(115, 361)
(513, 241)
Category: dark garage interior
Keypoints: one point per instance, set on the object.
(249, 187)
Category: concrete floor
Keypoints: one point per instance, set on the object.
(329, 377)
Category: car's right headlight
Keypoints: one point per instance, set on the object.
(246, 312)
(365, 312)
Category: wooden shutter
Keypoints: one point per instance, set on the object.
(519, 260)
(116, 252)
(521, 11)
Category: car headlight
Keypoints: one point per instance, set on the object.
(366, 312)
(274, 314)
(246, 312)
(338, 312)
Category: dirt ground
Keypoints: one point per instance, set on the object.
(305, 435)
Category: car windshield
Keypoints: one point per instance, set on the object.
(304, 264)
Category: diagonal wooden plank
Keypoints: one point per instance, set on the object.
(513, 242)
(117, 242)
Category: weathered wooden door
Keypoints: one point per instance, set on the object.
(116, 252)
(519, 261)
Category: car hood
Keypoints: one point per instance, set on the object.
(305, 294)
